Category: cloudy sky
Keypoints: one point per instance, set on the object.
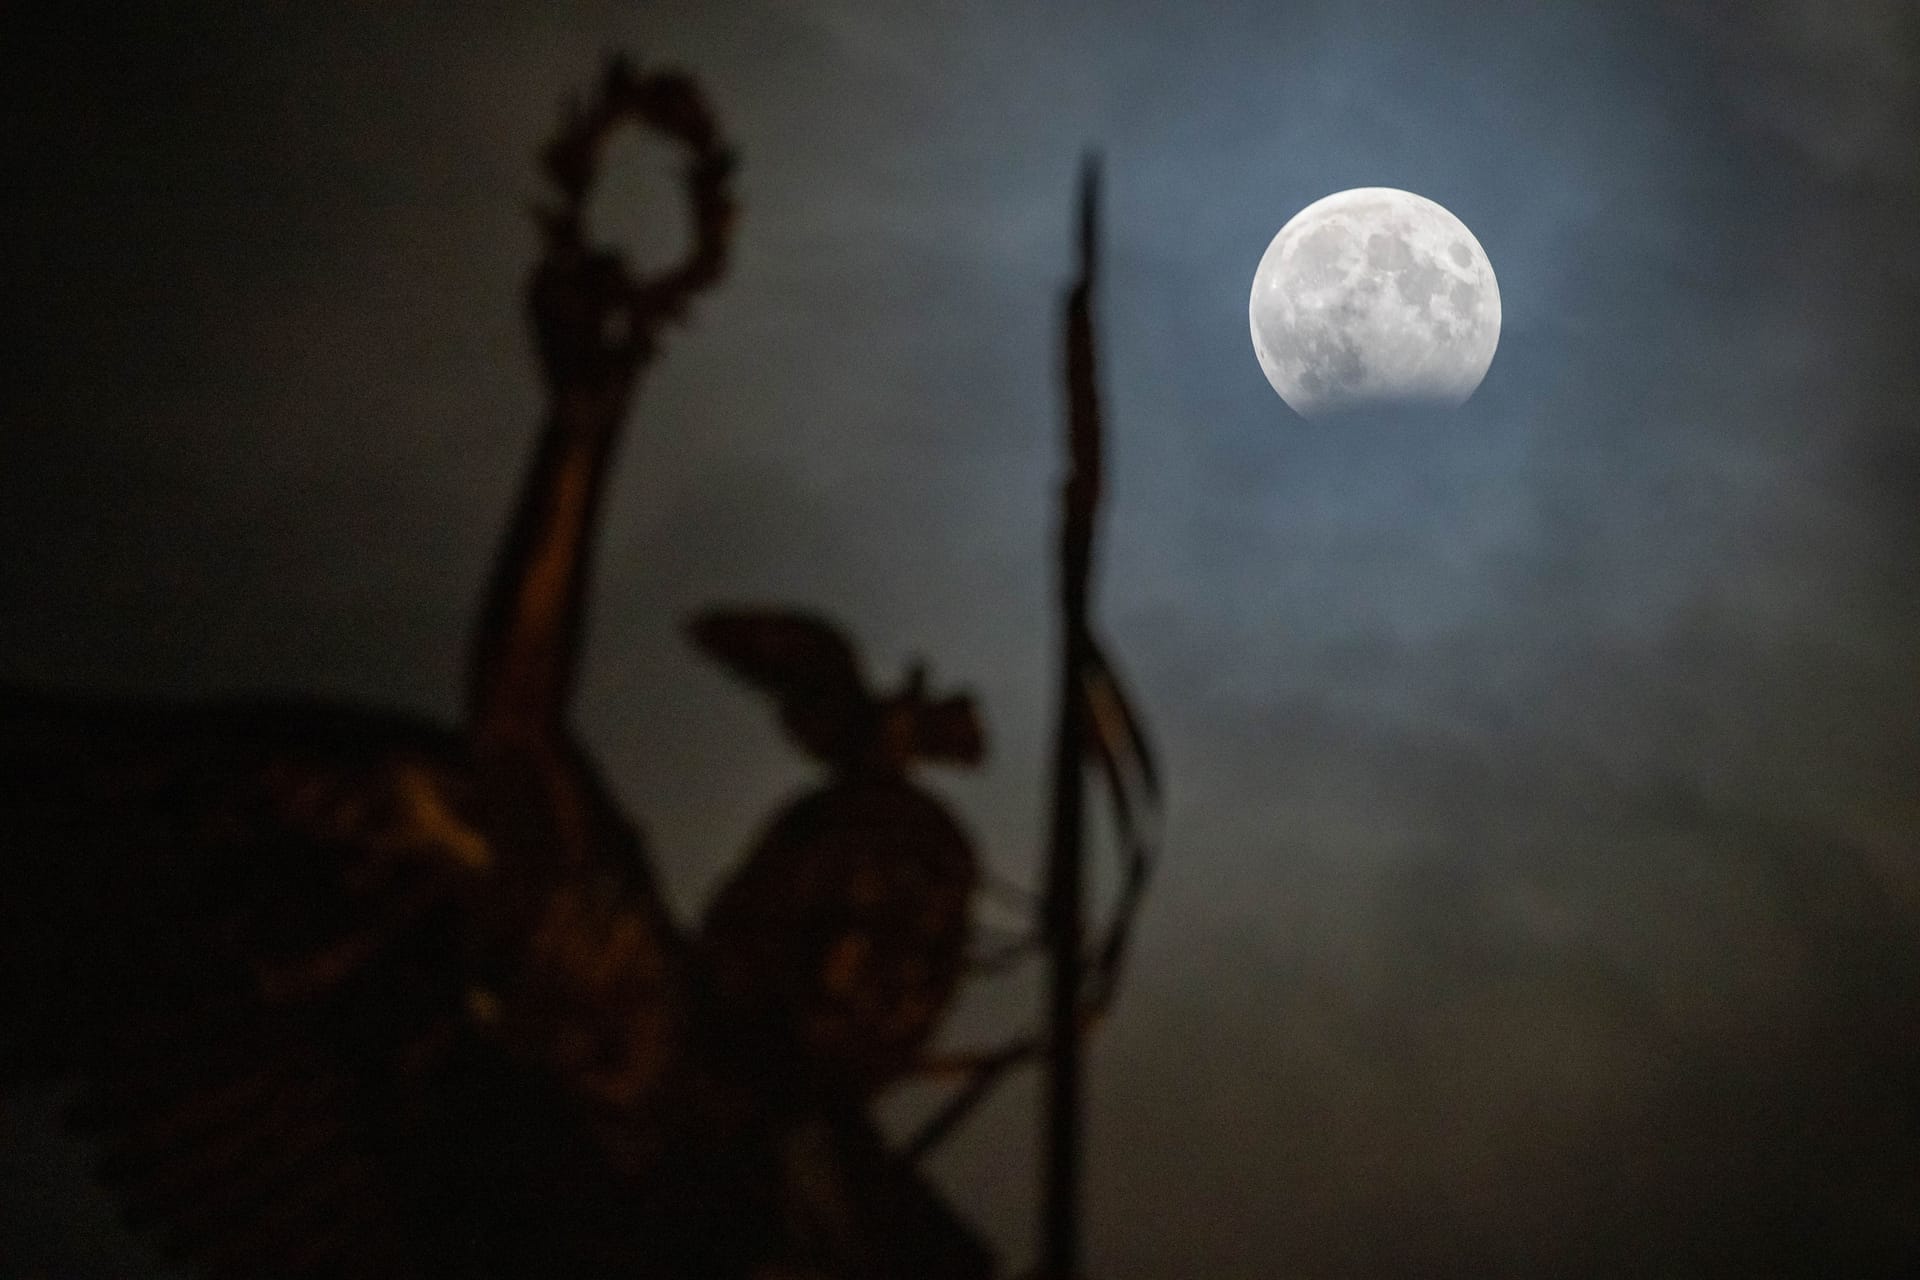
(1540, 894)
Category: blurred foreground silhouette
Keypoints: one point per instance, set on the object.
(350, 993)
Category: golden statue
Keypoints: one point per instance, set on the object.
(347, 993)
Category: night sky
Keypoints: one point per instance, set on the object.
(1540, 892)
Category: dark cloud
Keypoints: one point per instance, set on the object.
(1838, 83)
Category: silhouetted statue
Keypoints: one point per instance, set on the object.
(833, 951)
(348, 993)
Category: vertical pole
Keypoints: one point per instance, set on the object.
(1080, 498)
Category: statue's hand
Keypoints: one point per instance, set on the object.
(588, 330)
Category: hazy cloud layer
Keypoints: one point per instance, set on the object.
(1541, 894)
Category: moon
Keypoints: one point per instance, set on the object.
(1374, 298)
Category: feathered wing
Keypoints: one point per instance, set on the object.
(806, 664)
(278, 949)
(252, 935)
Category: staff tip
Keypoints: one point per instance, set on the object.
(1089, 207)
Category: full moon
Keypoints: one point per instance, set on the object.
(1374, 298)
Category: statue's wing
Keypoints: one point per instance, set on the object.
(806, 663)
(248, 935)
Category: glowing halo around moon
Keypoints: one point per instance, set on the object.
(1374, 298)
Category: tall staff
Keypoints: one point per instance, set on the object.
(1080, 501)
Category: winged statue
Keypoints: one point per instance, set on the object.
(345, 992)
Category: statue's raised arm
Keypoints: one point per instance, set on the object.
(596, 328)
